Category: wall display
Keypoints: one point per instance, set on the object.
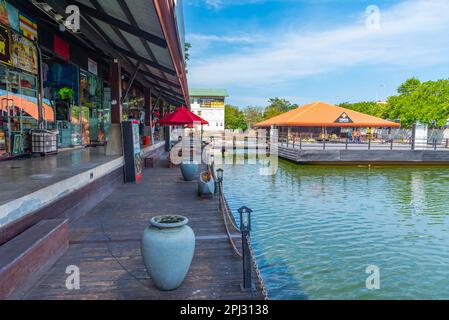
(5, 45)
(24, 54)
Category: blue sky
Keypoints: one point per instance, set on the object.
(314, 50)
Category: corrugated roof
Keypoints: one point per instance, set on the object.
(208, 93)
(319, 114)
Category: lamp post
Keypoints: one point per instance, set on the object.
(220, 186)
(220, 175)
(245, 228)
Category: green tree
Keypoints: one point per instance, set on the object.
(416, 102)
(372, 108)
(421, 102)
(253, 115)
(278, 106)
(409, 86)
(187, 47)
(234, 118)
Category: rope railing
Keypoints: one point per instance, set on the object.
(247, 253)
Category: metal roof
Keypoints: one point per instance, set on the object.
(208, 93)
(143, 34)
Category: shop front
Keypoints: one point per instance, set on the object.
(19, 85)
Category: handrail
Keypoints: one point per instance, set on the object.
(247, 249)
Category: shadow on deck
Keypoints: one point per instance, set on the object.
(105, 245)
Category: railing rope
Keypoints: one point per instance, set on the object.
(248, 256)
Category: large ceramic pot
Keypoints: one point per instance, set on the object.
(206, 185)
(189, 170)
(167, 248)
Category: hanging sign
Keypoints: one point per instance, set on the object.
(5, 46)
(92, 66)
(27, 27)
(344, 118)
(24, 54)
(61, 47)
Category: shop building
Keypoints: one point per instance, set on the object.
(119, 65)
(209, 104)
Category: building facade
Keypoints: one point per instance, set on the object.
(209, 104)
(77, 83)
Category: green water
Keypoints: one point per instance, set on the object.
(316, 229)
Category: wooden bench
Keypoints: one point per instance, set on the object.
(150, 161)
(25, 258)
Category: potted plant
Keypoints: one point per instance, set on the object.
(189, 170)
(66, 93)
(206, 185)
(168, 245)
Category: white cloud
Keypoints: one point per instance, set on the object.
(220, 4)
(412, 33)
(216, 38)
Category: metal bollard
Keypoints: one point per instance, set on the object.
(245, 227)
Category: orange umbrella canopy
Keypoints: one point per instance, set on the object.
(320, 114)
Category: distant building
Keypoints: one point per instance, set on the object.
(209, 104)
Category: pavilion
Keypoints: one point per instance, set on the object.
(320, 121)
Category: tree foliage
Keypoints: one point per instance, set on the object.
(234, 118)
(253, 115)
(278, 106)
(416, 101)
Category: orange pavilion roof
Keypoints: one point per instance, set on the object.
(320, 114)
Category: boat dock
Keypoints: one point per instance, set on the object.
(105, 245)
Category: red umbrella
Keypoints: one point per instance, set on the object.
(182, 116)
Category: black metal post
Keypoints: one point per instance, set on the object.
(300, 141)
(257, 145)
(434, 144)
(391, 141)
(369, 142)
(324, 143)
(245, 227)
(347, 141)
(220, 187)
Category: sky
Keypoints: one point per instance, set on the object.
(315, 50)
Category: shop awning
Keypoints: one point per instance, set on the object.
(30, 107)
(182, 116)
(143, 34)
(321, 114)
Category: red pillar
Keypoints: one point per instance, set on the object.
(149, 114)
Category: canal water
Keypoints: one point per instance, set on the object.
(316, 229)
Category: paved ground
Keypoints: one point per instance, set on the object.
(22, 177)
(105, 245)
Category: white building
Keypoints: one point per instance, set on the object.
(209, 104)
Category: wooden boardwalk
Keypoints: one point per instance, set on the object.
(105, 245)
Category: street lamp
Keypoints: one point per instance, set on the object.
(220, 175)
(245, 218)
(245, 228)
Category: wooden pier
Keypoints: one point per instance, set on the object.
(105, 245)
(335, 156)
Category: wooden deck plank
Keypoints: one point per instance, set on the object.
(116, 225)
